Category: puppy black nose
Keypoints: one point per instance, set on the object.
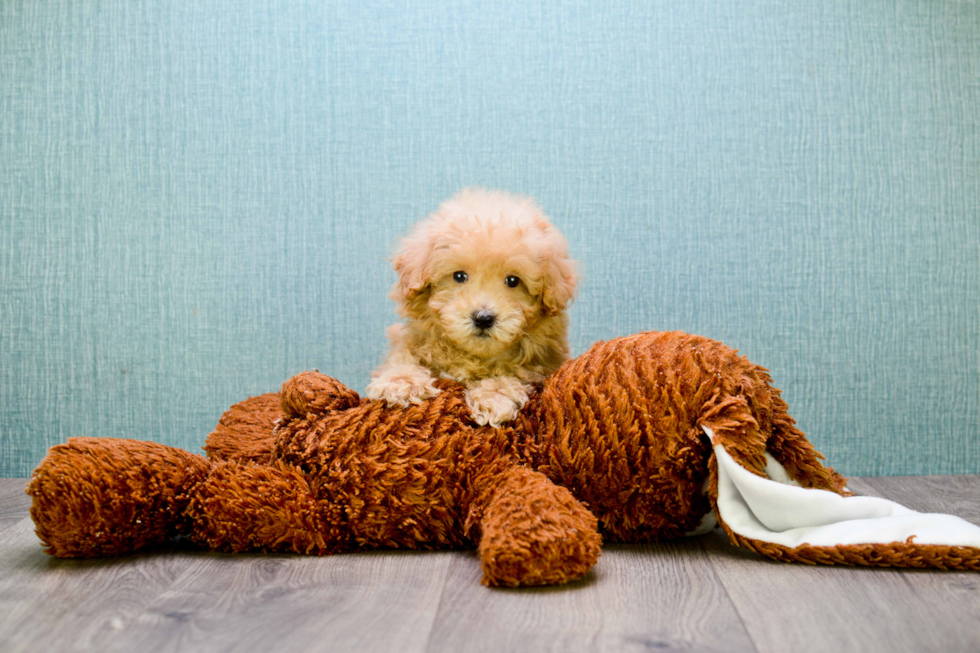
(483, 319)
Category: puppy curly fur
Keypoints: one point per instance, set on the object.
(483, 284)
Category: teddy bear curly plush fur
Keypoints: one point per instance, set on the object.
(620, 444)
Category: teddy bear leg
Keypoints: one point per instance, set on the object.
(731, 423)
(97, 497)
(533, 532)
(734, 425)
(250, 507)
(802, 462)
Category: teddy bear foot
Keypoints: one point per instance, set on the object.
(536, 533)
(95, 497)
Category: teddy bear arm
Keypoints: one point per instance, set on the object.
(246, 431)
(533, 532)
(249, 507)
(96, 497)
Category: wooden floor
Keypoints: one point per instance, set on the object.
(692, 595)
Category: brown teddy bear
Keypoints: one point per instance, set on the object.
(636, 440)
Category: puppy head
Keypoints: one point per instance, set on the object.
(484, 269)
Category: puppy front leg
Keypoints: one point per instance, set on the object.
(496, 400)
(401, 382)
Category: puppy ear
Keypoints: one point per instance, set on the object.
(411, 263)
(560, 283)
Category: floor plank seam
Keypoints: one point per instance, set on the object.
(435, 613)
(734, 603)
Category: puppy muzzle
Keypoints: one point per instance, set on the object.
(483, 321)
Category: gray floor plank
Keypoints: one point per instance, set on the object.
(802, 608)
(371, 601)
(957, 495)
(49, 604)
(950, 599)
(637, 598)
(692, 595)
(861, 487)
(190, 600)
(14, 502)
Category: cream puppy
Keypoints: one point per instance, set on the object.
(483, 284)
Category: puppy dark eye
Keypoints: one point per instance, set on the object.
(460, 277)
(512, 281)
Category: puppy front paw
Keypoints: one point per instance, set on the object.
(401, 385)
(496, 400)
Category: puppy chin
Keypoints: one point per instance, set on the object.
(474, 342)
(482, 345)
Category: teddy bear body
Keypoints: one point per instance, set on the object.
(612, 445)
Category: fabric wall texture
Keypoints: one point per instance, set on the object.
(197, 197)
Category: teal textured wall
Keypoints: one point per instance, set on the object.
(197, 197)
